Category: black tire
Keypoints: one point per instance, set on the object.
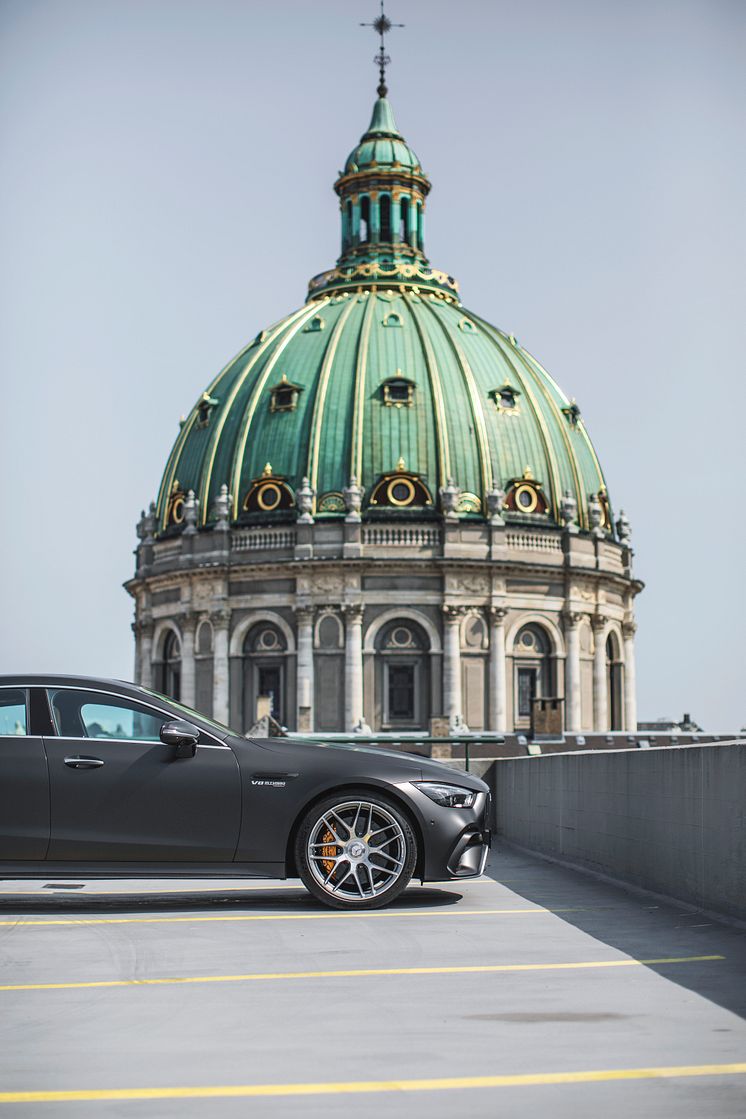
(329, 860)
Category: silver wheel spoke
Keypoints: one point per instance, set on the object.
(360, 869)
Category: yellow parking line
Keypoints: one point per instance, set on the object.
(365, 915)
(349, 973)
(524, 1080)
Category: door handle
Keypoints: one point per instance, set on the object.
(80, 762)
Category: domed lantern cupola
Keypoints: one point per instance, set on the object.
(382, 192)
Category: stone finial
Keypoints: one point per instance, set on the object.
(624, 532)
(569, 511)
(304, 497)
(495, 499)
(450, 495)
(221, 510)
(353, 495)
(191, 513)
(595, 515)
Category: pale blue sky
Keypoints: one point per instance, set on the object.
(167, 193)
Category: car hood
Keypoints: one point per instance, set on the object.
(430, 770)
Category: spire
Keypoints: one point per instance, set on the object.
(382, 25)
(382, 192)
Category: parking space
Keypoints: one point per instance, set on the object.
(532, 988)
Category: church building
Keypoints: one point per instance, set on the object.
(384, 510)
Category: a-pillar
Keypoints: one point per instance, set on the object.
(353, 666)
(630, 685)
(304, 621)
(452, 700)
(187, 693)
(600, 675)
(498, 679)
(220, 628)
(572, 672)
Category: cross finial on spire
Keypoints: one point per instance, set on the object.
(382, 25)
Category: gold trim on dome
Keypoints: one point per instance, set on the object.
(436, 388)
(299, 320)
(373, 270)
(510, 355)
(258, 345)
(361, 367)
(312, 469)
(477, 407)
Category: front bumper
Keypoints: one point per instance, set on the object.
(470, 854)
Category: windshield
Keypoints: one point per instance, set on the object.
(188, 713)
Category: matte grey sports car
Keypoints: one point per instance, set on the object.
(104, 779)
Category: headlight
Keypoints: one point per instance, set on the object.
(450, 796)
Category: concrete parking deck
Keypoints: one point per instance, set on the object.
(534, 989)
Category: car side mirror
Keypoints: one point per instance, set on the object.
(183, 736)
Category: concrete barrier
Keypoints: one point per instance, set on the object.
(669, 820)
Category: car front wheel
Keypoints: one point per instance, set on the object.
(356, 850)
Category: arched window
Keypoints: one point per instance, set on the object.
(404, 220)
(348, 231)
(168, 671)
(614, 671)
(534, 672)
(385, 204)
(265, 653)
(203, 677)
(364, 219)
(402, 676)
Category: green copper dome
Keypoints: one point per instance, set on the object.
(383, 380)
(382, 144)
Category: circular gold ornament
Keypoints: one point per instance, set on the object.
(400, 491)
(526, 499)
(269, 497)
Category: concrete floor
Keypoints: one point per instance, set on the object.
(330, 1033)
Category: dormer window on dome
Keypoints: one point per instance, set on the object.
(283, 397)
(506, 399)
(316, 323)
(205, 406)
(398, 391)
(400, 489)
(175, 509)
(525, 495)
(268, 494)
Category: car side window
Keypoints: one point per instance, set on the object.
(79, 714)
(13, 711)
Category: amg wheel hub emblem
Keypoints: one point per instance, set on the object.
(356, 850)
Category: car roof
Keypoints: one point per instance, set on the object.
(50, 680)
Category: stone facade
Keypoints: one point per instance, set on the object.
(354, 626)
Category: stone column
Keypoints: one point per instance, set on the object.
(452, 700)
(498, 678)
(353, 666)
(220, 629)
(600, 681)
(572, 672)
(374, 216)
(188, 668)
(145, 657)
(304, 675)
(630, 684)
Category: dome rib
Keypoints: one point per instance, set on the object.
(475, 400)
(312, 466)
(361, 370)
(301, 318)
(546, 439)
(436, 388)
(582, 496)
(174, 460)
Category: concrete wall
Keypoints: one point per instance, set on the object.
(670, 820)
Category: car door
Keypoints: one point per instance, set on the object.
(24, 782)
(118, 794)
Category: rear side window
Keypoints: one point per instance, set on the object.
(13, 711)
(79, 714)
